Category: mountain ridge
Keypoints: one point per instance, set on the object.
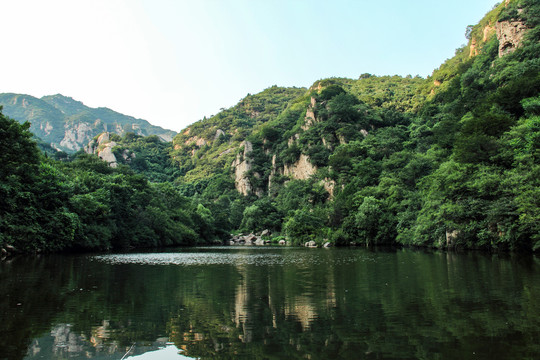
(68, 125)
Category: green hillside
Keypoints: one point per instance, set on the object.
(451, 161)
(385, 160)
(69, 125)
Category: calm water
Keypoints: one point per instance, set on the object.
(271, 303)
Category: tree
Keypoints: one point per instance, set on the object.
(468, 32)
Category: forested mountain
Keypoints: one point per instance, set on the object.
(68, 124)
(448, 161)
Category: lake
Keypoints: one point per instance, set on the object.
(271, 303)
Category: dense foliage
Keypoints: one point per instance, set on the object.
(448, 161)
(47, 205)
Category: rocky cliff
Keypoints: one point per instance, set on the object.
(102, 146)
(242, 167)
(68, 124)
(510, 35)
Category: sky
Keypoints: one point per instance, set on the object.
(172, 62)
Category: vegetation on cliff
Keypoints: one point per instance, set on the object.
(448, 161)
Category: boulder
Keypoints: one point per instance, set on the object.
(10, 249)
(311, 244)
(327, 244)
(281, 242)
(265, 232)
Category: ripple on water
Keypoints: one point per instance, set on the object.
(192, 259)
(225, 258)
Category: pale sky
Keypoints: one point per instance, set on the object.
(174, 62)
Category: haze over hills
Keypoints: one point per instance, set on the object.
(68, 124)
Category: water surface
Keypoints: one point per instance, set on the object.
(271, 303)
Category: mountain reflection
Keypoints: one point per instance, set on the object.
(270, 303)
(63, 343)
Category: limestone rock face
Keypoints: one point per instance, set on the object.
(242, 165)
(76, 135)
(310, 119)
(107, 154)
(166, 137)
(474, 48)
(196, 140)
(451, 236)
(510, 35)
(46, 127)
(300, 170)
(102, 147)
(68, 124)
(488, 31)
(272, 172)
(219, 133)
(329, 186)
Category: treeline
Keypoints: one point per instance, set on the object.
(448, 161)
(83, 204)
(451, 161)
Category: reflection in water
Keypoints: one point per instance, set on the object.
(279, 303)
(168, 352)
(63, 342)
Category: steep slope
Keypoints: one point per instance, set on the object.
(291, 132)
(68, 124)
(448, 161)
(209, 146)
(443, 161)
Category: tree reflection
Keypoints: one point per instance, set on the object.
(342, 304)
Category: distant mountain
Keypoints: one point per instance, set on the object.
(68, 124)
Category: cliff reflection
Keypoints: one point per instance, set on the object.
(292, 304)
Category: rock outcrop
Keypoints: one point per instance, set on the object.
(75, 135)
(510, 35)
(250, 239)
(451, 236)
(103, 147)
(69, 125)
(476, 44)
(301, 170)
(329, 185)
(196, 140)
(242, 166)
(219, 133)
(310, 118)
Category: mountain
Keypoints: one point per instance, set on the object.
(68, 124)
(450, 161)
(388, 160)
(276, 132)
